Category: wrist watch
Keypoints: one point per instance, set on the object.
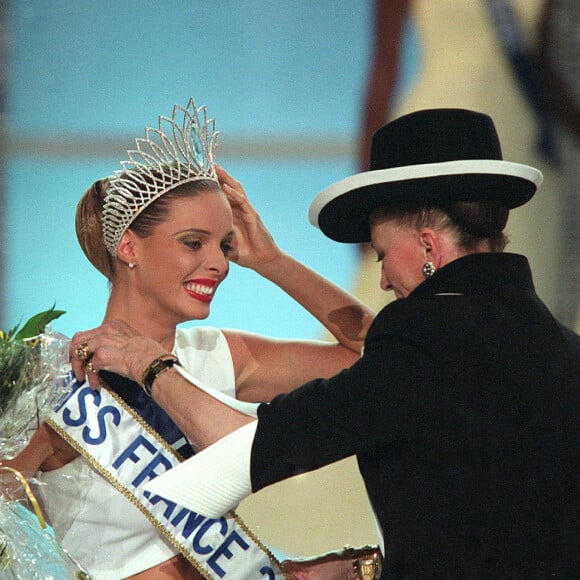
(155, 368)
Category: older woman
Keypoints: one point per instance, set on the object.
(463, 410)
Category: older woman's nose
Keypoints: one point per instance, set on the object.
(384, 284)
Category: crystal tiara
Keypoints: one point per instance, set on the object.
(163, 160)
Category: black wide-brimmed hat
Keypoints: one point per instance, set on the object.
(430, 157)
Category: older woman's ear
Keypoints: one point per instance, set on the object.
(442, 246)
(431, 243)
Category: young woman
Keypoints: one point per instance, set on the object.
(163, 232)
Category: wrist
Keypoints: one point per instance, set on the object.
(273, 266)
(155, 368)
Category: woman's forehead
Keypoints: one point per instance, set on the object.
(388, 230)
(209, 206)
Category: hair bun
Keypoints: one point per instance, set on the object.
(483, 219)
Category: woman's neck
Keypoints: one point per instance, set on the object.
(150, 327)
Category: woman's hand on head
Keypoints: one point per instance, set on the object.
(253, 243)
(115, 347)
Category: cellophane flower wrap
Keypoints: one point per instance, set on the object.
(33, 368)
(34, 377)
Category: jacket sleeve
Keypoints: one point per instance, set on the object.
(385, 396)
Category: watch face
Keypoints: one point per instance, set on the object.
(155, 369)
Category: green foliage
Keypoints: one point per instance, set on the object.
(18, 354)
(15, 375)
(35, 325)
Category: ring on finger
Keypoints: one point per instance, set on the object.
(82, 351)
(90, 367)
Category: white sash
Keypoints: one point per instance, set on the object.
(128, 453)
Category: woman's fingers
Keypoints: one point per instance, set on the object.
(231, 187)
(114, 347)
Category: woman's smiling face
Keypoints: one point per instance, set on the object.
(181, 264)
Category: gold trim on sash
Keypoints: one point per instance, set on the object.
(121, 489)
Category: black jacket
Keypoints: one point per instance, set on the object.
(463, 414)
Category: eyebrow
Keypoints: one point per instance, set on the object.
(200, 231)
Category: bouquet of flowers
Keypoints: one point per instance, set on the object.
(34, 376)
(33, 364)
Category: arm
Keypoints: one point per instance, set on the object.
(265, 367)
(380, 399)
(118, 348)
(204, 419)
(45, 451)
(351, 411)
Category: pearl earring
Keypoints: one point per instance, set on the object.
(131, 265)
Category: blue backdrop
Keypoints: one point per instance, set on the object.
(86, 76)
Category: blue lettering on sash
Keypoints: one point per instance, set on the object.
(192, 523)
(83, 394)
(180, 515)
(107, 410)
(129, 453)
(149, 471)
(141, 450)
(224, 551)
(156, 499)
(199, 536)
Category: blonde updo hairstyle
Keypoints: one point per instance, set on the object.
(88, 220)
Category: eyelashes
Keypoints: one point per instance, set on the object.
(193, 244)
(226, 247)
